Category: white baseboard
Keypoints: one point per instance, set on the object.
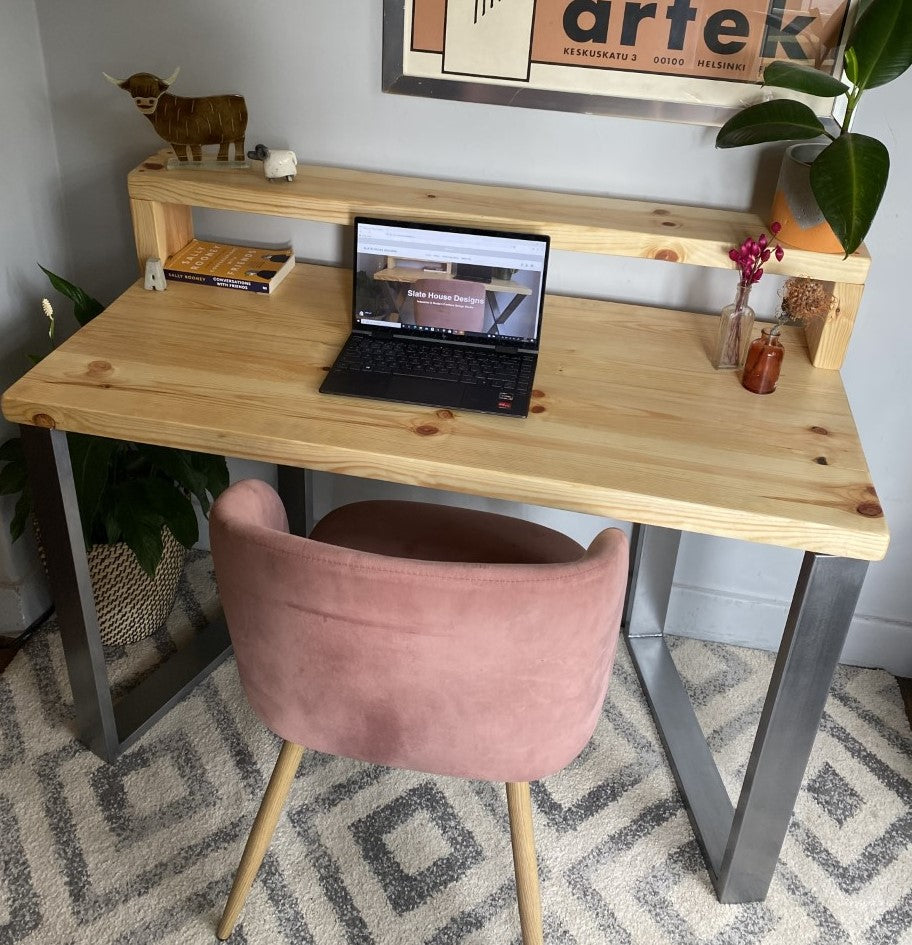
(22, 603)
(758, 622)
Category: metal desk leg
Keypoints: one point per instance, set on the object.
(54, 500)
(741, 847)
(296, 489)
(815, 632)
(105, 728)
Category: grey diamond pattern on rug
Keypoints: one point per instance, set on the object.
(144, 850)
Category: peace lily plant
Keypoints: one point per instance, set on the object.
(849, 176)
(126, 491)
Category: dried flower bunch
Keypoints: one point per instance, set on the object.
(753, 253)
(805, 300)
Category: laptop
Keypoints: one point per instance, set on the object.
(443, 316)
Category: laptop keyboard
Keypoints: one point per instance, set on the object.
(438, 361)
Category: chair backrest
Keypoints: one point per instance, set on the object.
(494, 671)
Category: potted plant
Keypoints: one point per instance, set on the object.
(847, 174)
(135, 507)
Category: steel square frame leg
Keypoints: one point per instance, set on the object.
(741, 844)
(295, 486)
(107, 729)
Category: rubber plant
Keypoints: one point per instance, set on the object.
(126, 491)
(849, 176)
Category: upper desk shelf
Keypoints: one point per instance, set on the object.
(162, 201)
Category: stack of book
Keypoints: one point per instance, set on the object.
(251, 268)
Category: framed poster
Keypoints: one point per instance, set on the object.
(695, 61)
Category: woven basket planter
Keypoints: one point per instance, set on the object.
(130, 604)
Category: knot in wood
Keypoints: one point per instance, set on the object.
(445, 414)
(870, 510)
(426, 429)
(44, 420)
(823, 431)
(669, 255)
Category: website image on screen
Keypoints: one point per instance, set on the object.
(449, 282)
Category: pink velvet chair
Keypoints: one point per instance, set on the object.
(418, 636)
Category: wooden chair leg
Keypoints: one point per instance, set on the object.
(525, 863)
(261, 835)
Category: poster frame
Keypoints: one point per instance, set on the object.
(396, 79)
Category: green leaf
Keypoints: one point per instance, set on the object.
(176, 465)
(172, 505)
(11, 451)
(848, 179)
(215, 471)
(91, 458)
(782, 120)
(798, 78)
(144, 538)
(14, 481)
(111, 526)
(20, 514)
(85, 308)
(13, 478)
(851, 66)
(140, 523)
(882, 42)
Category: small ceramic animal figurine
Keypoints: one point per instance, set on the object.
(276, 163)
(188, 122)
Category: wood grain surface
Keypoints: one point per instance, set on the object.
(579, 222)
(629, 420)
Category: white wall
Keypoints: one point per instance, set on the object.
(311, 76)
(31, 230)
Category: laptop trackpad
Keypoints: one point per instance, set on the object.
(357, 384)
(422, 390)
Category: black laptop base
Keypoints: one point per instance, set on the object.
(483, 395)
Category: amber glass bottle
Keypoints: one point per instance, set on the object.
(763, 362)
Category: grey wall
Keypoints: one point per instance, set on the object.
(31, 230)
(311, 76)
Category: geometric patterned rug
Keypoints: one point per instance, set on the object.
(144, 850)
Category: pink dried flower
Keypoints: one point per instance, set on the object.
(751, 254)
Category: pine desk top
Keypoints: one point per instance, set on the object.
(629, 419)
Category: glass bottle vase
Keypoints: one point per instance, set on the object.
(763, 363)
(735, 326)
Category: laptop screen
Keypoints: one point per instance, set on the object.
(450, 283)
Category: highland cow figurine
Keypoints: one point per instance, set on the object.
(188, 122)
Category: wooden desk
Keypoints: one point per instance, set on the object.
(629, 421)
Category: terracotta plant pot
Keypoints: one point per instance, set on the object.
(794, 205)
